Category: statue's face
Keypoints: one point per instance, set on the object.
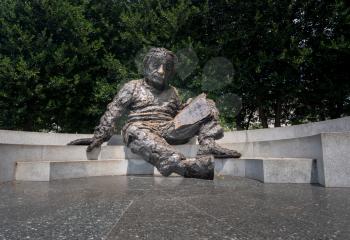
(159, 70)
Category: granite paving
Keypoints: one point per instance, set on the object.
(146, 207)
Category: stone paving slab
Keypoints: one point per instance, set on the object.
(135, 207)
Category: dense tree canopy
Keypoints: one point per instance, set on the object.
(62, 61)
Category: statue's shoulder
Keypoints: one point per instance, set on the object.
(127, 91)
(131, 85)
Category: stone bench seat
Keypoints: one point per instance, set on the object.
(270, 170)
(262, 151)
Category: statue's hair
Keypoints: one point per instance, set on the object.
(158, 53)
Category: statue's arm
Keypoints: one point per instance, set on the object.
(115, 109)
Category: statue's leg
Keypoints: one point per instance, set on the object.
(155, 150)
(207, 135)
(210, 131)
(206, 126)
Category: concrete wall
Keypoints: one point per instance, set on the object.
(38, 138)
(304, 147)
(41, 138)
(307, 147)
(334, 166)
(297, 131)
(303, 130)
(327, 141)
(12, 153)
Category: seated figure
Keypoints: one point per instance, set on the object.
(157, 120)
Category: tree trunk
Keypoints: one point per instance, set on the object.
(28, 124)
(240, 121)
(263, 117)
(278, 113)
(336, 108)
(249, 119)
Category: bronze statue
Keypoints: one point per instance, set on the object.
(157, 119)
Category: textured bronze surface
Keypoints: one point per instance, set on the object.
(193, 113)
(157, 119)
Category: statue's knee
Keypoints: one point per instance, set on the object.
(213, 109)
(219, 133)
(210, 130)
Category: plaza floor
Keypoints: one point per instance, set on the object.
(130, 207)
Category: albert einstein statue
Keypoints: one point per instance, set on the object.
(157, 120)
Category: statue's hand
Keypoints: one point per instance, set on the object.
(187, 102)
(81, 141)
(94, 144)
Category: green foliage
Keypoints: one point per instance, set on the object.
(62, 61)
(56, 66)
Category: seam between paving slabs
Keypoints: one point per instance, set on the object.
(118, 220)
(204, 212)
(107, 235)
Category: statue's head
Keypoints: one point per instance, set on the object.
(159, 67)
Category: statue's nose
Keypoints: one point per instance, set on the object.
(161, 69)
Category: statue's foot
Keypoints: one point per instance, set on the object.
(217, 151)
(172, 165)
(202, 167)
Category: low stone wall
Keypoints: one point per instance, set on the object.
(297, 131)
(334, 165)
(314, 141)
(270, 134)
(38, 138)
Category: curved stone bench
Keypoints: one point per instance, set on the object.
(277, 159)
(281, 133)
(270, 134)
(259, 146)
(11, 153)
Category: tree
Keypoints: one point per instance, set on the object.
(62, 61)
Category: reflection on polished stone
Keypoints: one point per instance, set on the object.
(130, 207)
